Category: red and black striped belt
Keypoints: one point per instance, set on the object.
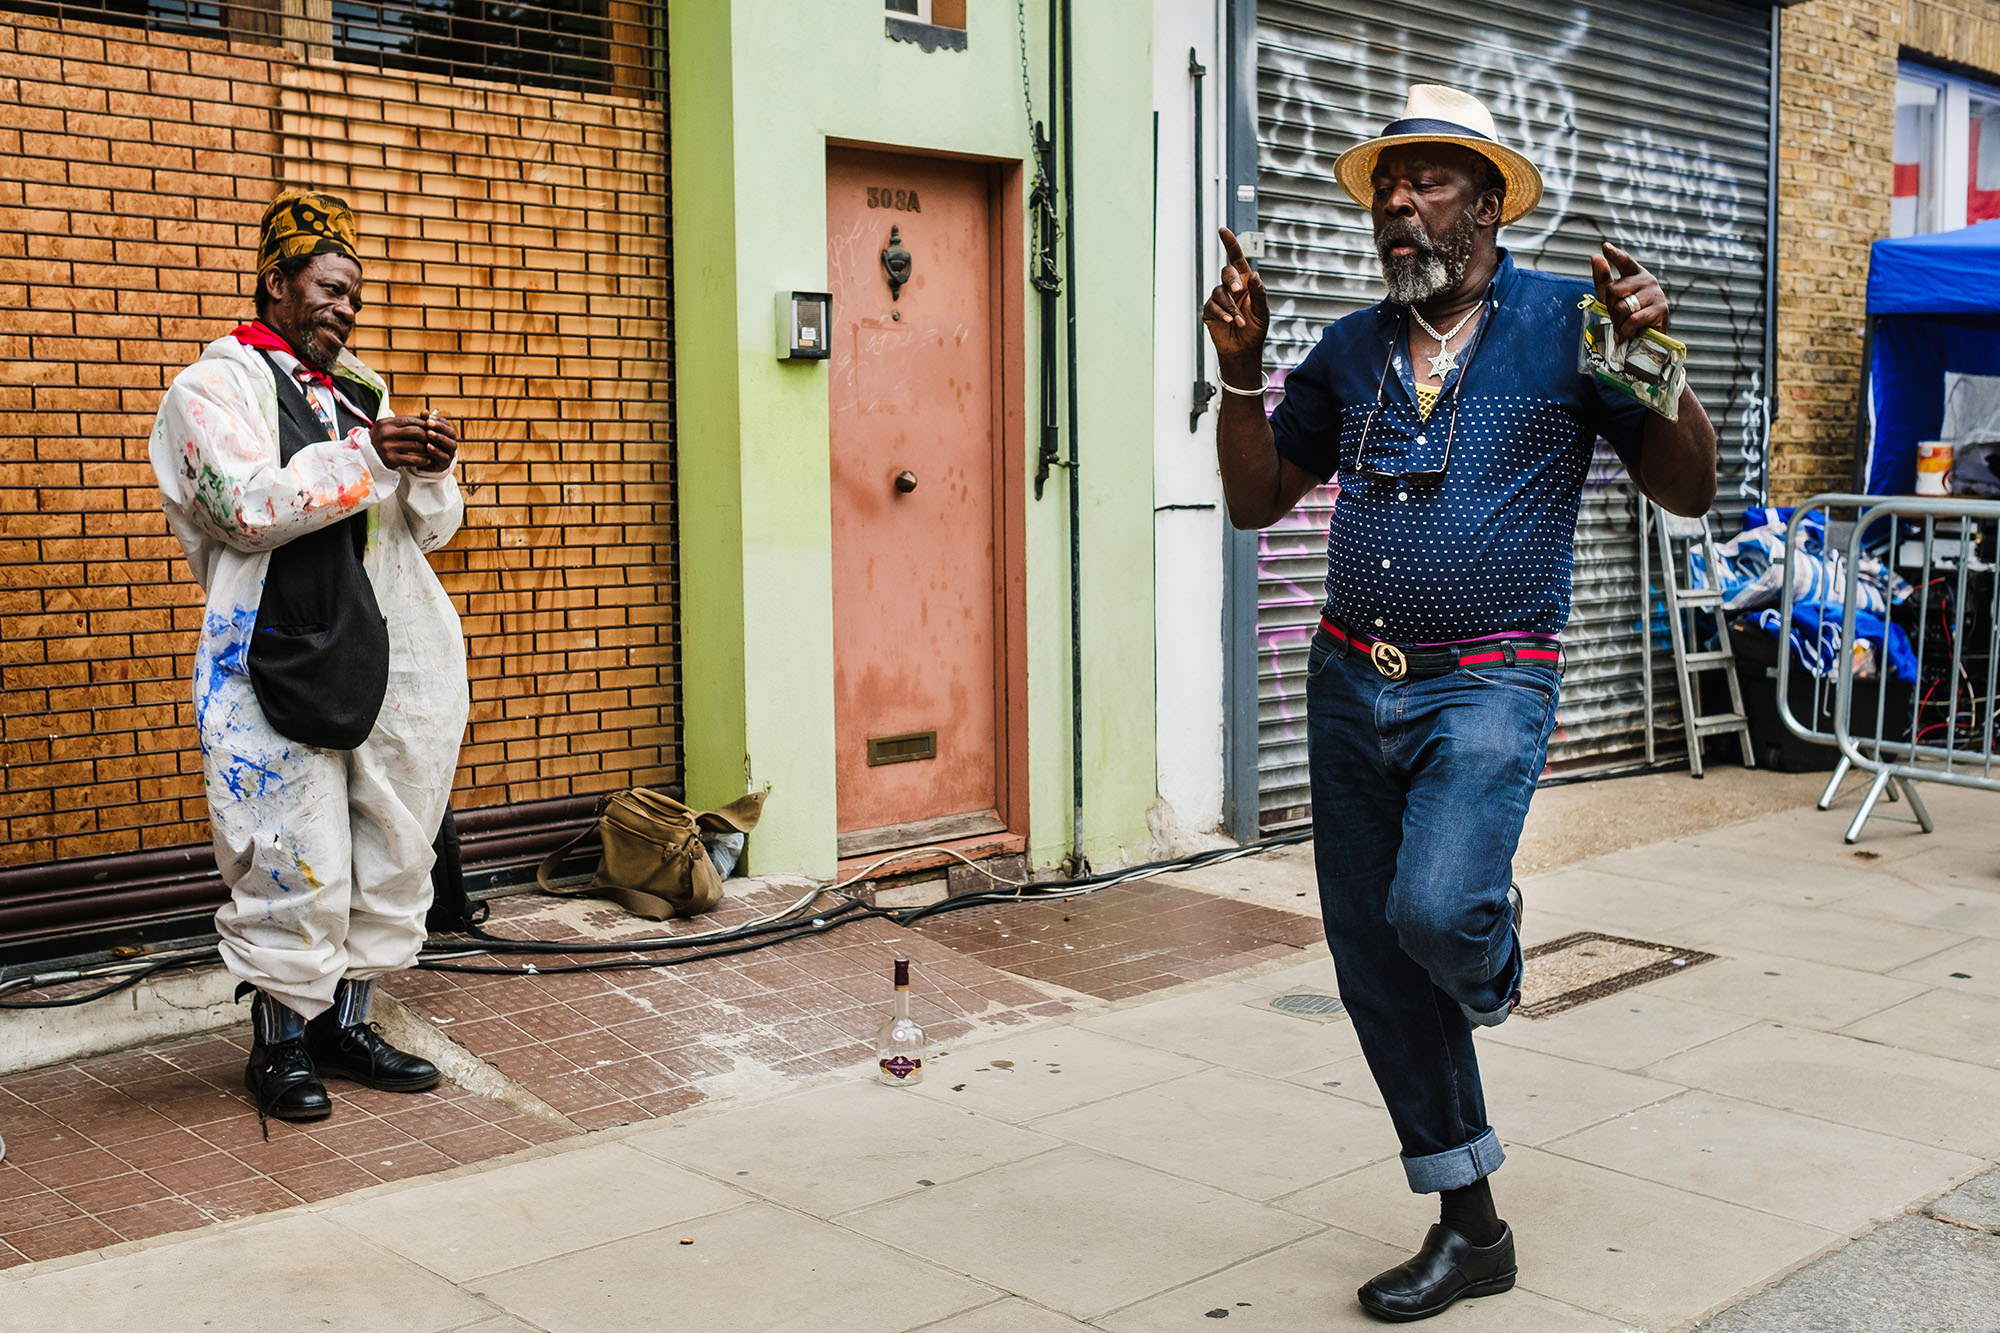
(1395, 661)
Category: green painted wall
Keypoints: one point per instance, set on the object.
(759, 88)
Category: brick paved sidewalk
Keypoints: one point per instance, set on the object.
(136, 1144)
(1754, 1141)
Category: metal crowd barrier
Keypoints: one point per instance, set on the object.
(1945, 732)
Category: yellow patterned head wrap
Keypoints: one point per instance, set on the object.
(306, 222)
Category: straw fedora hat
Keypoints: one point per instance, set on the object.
(1437, 114)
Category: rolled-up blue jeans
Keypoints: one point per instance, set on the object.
(1419, 790)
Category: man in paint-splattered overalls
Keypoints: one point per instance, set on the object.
(282, 468)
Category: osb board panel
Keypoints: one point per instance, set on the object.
(516, 248)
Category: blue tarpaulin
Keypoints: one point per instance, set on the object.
(1933, 307)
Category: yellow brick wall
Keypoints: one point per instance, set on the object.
(1836, 131)
(1836, 140)
(1965, 33)
(517, 261)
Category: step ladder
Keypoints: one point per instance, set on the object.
(1688, 599)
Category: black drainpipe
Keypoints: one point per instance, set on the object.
(1770, 406)
(1078, 863)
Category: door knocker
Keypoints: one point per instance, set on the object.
(896, 263)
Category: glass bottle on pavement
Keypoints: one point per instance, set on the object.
(899, 1046)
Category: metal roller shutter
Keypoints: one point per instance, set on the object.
(1681, 183)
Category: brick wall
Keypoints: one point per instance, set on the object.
(1836, 133)
(1836, 138)
(518, 265)
(1963, 33)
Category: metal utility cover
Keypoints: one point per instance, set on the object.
(1576, 969)
(1308, 1004)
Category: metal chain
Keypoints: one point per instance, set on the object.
(1027, 93)
(1042, 195)
(1037, 146)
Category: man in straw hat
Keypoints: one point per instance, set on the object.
(329, 680)
(1461, 431)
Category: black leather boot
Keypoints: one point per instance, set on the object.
(280, 1074)
(346, 1045)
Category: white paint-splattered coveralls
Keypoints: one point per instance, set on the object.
(326, 853)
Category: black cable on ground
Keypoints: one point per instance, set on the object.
(123, 983)
(787, 927)
(694, 949)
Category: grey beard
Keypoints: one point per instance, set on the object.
(320, 348)
(1435, 268)
(1414, 278)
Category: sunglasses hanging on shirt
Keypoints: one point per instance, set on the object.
(1397, 434)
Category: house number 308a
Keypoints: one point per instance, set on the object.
(903, 201)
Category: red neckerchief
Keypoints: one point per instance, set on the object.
(262, 336)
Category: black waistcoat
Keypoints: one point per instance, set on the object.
(319, 659)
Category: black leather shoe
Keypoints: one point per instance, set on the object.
(281, 1078)
(1447, 1267)
(360, 1054)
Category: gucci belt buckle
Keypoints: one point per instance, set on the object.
(1389, 660)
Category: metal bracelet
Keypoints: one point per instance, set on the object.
(1257, 392)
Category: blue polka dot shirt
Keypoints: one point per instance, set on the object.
(1484, 546)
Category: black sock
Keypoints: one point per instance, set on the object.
(1469, 1212)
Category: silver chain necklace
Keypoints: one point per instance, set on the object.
(1446, 360)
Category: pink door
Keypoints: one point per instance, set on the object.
(917, 674)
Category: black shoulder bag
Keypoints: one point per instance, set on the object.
(319, 659)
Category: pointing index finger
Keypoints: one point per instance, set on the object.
(1627, 266)
(1230, 249)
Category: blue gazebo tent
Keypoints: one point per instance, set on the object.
(1933, 307)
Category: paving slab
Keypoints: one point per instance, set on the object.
(1908, 1094)
(1250, 1135)
(1309, 1284)
(1746, 870)
(1957, 1024)
(1020, 1078)
(1530, 1097)
(1617, 900)
(1008, 1316)
(1628, 1249)
(1628, 1030)
(1973, 965)
(1956, 862)
(1808, 835)
(488, 1222)
(1235, 1027)
(1079, 1231)
(1958, 909)
(755, 1267)
(1788, 990)
(291, 1272)
(1912, 1276)
(1820, 936)
(1810, 1170)
(835, 1148)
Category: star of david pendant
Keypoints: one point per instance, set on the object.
(1443, 363)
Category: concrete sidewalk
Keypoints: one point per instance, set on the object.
(1673, 1149)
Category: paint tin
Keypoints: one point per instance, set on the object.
(1934, 467)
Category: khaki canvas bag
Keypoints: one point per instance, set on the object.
(653, 862)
